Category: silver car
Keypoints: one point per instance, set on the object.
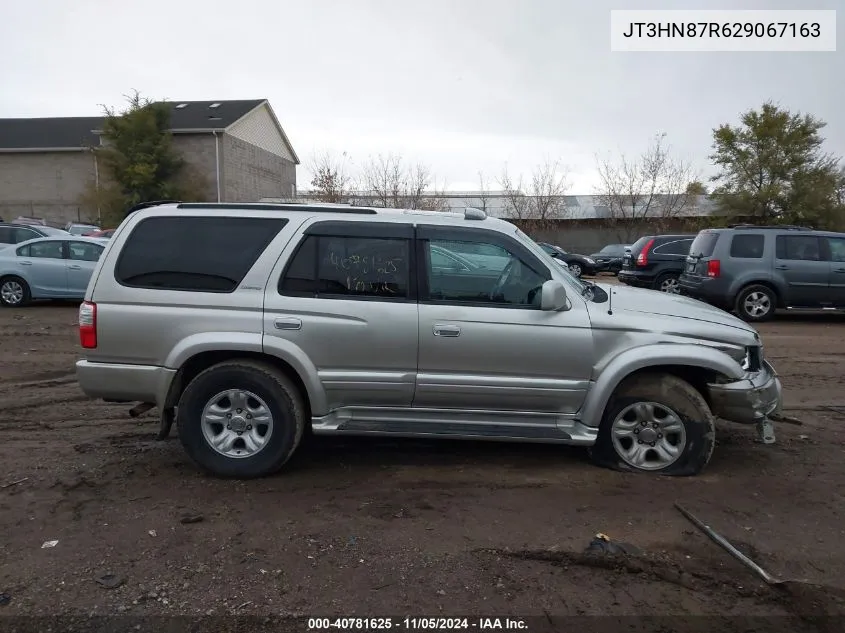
(47, 268)
(247, 324)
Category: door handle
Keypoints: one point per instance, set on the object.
(75, 267)
(446, 330)
(26, 263)
(287, 323)
(781, 267)
(839, 270)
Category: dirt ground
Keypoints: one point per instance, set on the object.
(378, 528)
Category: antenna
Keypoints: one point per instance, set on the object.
(610, 301)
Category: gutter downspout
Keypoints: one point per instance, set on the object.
(217, 162)
(97, 187)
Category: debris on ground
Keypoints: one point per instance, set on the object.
(192, 518)
(5, 599)
(152, 533)
(48, 544)
(109, 581)
(15, 483)
(602, 544)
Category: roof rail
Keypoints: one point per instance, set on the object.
(784, 227)
(280, 206)
(471, 213)
(146, 205)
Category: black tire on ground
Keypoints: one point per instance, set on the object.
(764, 294)
(27, 295)
(675, 394)
(662, 279)
(279, 393)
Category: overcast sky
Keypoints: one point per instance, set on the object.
(461, 85)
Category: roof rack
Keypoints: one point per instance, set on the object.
(281, 206)
(784, 227)
(146, 205)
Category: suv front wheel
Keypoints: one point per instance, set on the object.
(240, 419)
(756, 303)
(656, 423)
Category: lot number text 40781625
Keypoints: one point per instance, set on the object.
(408, 623)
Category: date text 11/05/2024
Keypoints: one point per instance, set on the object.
(407, 623)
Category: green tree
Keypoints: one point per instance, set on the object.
(773, 169)
(138, 161)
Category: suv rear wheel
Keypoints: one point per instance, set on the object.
(656, 423)
(667, 282)
(240, 419)
(756, 303)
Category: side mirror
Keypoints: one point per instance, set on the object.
(553, 296)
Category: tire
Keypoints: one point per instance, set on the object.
(665, 393)
(7, 286)
(281, 399)
(667, 282)
(575, 269)
(760, 296)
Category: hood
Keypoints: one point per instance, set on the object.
(653, 311)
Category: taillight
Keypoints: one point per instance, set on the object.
(642, 258)
(88, 324)
(714, 268)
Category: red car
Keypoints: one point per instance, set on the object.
(107, 233)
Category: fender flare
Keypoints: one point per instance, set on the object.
(637, 358)
(255, 343)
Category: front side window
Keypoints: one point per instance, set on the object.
(195, 254)
(353, 267)
(837, 248)
(44, 250)
(508, 282)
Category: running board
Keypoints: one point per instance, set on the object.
(456, 424)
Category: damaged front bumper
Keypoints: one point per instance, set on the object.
(749, 400)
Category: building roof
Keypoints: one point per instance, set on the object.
(79, 132)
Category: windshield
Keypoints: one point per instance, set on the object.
(552, 263)
(49, 230)
(612, 249)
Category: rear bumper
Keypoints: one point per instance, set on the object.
(133, 383)
(748, 400)
(632, 279)
(711, 290)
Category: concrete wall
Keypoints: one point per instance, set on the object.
(199, 152)
(47, 185)
(251, 173)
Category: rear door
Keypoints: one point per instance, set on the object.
(343, 301)
(800, 260)
(836, 247)
(44, 267)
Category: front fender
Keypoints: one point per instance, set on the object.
(634, 359)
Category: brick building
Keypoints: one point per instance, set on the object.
(237, 147)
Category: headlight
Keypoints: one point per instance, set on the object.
(589, 261)
(753, 360)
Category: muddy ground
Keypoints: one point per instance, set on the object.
(375, 528)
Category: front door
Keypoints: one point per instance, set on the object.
(346, 305)
(800, 262)
(485, 345)
(44, 267)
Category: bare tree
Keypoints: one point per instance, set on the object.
(654, 185)
(388, 182)
(542, 200)
(330, 180)
(483, 192)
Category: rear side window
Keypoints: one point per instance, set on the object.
(640, 244)
(799, 248)
(675, 247)
(704, 244)
(349, 267)
(747, 246)
(194, 254)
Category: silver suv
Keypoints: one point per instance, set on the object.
(757, 269)
(249, 324)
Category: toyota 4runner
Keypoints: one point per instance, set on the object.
(249, 324)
